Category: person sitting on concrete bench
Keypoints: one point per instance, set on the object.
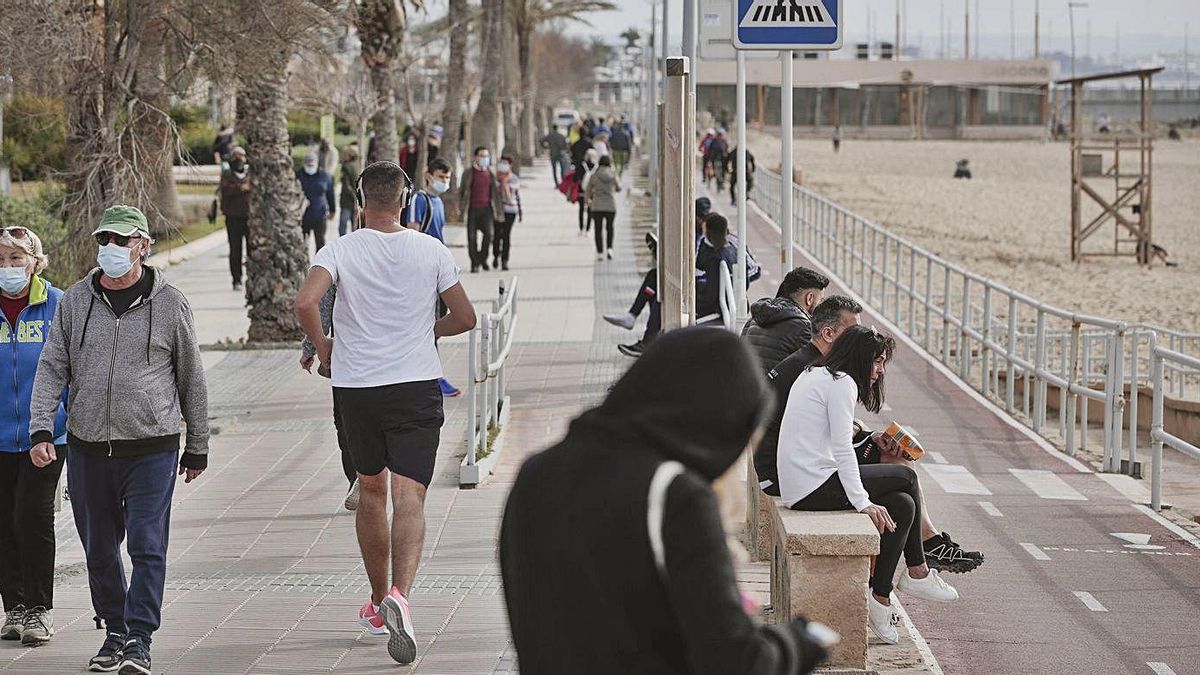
(612, 550)
(781, 325)
(818, 469)
(830, 319)
(962, 169)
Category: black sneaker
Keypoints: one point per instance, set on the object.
(943, 554)
(635, 350)
(136, 658)
(108, 659)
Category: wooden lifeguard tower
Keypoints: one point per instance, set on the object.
(1116, 164)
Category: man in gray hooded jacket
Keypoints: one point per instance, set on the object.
(124, 345)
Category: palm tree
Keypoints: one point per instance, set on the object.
(487, 113)
(631, 36)
(527, 17)
(456, 89)
(381, 25)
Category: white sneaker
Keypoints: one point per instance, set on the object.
(351, 502)
(609, 254)
(882, 620)
(931, 587)
(599, 256)
(623, 320)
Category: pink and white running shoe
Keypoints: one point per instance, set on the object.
(402, 643)
(369, 618)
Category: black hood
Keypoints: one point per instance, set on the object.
(773, 310)
(695, 396)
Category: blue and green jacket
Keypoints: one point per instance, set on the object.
(20, 349)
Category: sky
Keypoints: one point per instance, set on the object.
(1145, 26)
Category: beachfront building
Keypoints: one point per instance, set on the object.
(891, 99)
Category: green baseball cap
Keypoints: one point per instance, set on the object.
(124, 220)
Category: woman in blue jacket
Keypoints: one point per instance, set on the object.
(27, 542)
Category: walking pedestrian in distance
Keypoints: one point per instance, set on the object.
(347, 202)
(124, 345)
(556, 147)
(223, 146)
(602, 188)
(510, 196)
(818, 470)
(837, 138)
(620, 143)
(585, 171)
(27, 492)
(427, 214)
(409, 154)
(388, 277)
(318, 190)
(479, 196)
(235, 204)
(620, 518)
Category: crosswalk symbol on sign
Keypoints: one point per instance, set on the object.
(787, 14)
(791, 25)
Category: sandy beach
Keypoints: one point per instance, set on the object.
(1012, 221)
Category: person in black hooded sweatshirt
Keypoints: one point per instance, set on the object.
(612, 550)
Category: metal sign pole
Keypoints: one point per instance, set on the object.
(742, 176)
(786, 227)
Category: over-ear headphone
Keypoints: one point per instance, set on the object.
(362, 198)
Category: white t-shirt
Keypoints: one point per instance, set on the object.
(815, 438)
(388, 287)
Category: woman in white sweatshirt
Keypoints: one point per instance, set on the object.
(818, 469)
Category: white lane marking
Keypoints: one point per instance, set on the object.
(900, 335)
(936, 456)
(1132, 537)
(1160, 668)
(1033, 550)
(1133, 489)
(990, 509)
(1175, 529)
(956, 479)
(927, 656)
(1047, 485)
(1090, 601)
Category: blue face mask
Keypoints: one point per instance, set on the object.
(114, 260)
(13, 279)
(310, 170)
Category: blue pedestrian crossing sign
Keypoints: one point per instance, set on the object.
(808, 25)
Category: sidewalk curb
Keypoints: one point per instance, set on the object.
(176, 255)
(478, 475)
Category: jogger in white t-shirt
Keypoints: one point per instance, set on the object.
(385, 373)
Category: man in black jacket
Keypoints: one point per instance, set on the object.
(612, 549)
(780, 325)
(829, 320)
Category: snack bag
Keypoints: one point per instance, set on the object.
(907, 440)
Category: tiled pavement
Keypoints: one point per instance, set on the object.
(264, 574)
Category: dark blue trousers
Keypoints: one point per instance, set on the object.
(114, 498)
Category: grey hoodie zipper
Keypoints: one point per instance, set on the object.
(112, 366)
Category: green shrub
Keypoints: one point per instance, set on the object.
(34, 136)
(304, 128)
(32, 213)
(189, 115)
(196, 141)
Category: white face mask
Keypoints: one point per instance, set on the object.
(485, 162)
(503, 167)
(310, 170)
(114, 260)
(411, 143)
(13, 279)
(439, 186)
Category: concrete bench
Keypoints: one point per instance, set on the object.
(820, 562)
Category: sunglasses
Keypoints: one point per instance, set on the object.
(15, 232)
(103, 238)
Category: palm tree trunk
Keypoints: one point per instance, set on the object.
(387, 145)
(456, 96)
(485, 123)
(156, 133)
(278, 257)
(528, 96)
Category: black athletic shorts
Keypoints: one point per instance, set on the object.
(395, 427)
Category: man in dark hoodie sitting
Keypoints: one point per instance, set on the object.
(612, 549)
(781, 325)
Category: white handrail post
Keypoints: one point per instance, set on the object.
(883, 280)
(896, 308)
(1156, 425)
(946, 319)
(1110, 403)
(1010, 384)
(964, 340)
(472, 392)
(1039, 373)
(485, 354)
(912, 292)
(1134, 395)
(1118, 384)
(927, 340)
(1067, 405)
(985, 349)
(1085, 365)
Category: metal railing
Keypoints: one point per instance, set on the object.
(992, 336)
(1159, 356)
(489, 346)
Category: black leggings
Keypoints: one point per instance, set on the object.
(27, 544)
(646, 293)
(502, 240)
(585, 215)
(895, 488)
(604, 221)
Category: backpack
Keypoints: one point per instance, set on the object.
(428, 219)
